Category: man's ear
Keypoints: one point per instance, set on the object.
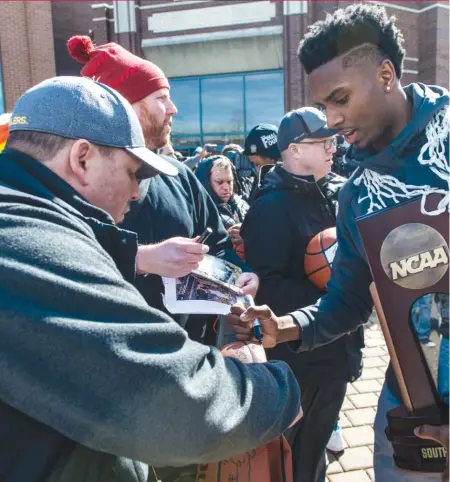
(387, 75)
(81, 155)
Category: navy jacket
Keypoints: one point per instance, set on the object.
(177, 206)
(348, 303)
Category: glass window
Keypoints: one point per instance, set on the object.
(186, 96)
(222, 104)
(186, 142)
(264, 98)
(223, 108)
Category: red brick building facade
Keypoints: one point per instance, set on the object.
(424, 26)
(26, 48)
(203, 43)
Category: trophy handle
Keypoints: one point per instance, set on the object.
(390, 345)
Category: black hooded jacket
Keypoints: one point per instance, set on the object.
(234, 211)
(287, 213)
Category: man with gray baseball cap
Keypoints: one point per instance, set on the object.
(76, 108)
(301, 124)
(95, 385)
(296, 200)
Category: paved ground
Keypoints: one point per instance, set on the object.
(358, 414)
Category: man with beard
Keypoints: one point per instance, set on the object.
(399, 141)
(173, 211)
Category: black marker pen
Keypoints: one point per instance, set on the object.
(256, 326)
(205, 235)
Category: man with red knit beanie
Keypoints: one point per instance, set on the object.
(142, 83)
(172, 212)
(111, 64)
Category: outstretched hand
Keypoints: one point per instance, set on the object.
(249, 283)
(241, 320)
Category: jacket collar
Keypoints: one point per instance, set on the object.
(22, 172)
(425, 101)
(279, 178)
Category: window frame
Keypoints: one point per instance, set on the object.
(201, 134)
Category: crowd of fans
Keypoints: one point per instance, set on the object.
(100, 377)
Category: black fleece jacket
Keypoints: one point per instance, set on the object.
(92, 379)
(176, 206)
(287, 213)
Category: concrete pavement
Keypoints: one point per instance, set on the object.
(358, 413)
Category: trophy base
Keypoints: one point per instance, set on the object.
(410, 452)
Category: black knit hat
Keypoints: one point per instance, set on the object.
(262, 141)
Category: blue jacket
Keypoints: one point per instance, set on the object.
(348, 303)
(92, 379)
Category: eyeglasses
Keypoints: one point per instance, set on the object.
(328, 144)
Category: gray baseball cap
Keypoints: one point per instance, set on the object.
(300, 124)
(80, 108)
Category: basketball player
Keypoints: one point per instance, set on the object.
(399, 138)
(296, 200)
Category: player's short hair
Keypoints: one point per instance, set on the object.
(358, 32)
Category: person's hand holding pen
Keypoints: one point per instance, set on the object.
(243, 326)
(276, 329)
(256, 324)
(172, 258)
(247, 282)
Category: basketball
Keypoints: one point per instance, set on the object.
(247, 352)
(237, 246)
(319, 257)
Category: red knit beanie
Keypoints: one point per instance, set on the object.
(111, 64)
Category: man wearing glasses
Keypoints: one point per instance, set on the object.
(296, 200)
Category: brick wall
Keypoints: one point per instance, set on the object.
(424, 27)
(426, 37)
(27, 51)
(295, 88)
(442, 48)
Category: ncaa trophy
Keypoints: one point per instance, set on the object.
(407, 252)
